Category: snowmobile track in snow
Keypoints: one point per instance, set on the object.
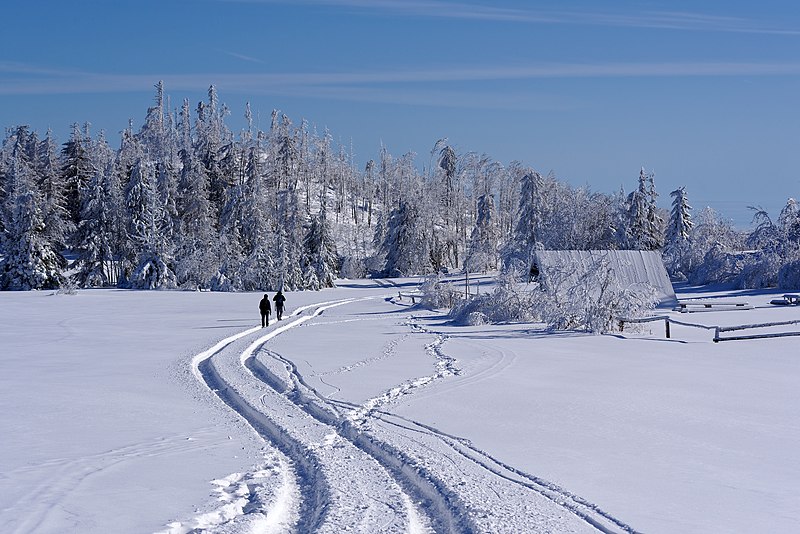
(315, 403)
(447, 513)
(313, 487)
(442, 509)
(442, 506)
(586, 510)
(589, 512)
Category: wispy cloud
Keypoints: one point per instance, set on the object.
(13, 67)
(400, 87)
(243, 57)
(668, 20)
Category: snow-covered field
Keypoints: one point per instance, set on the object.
(128, 411)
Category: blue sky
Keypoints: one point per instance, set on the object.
(705, 94)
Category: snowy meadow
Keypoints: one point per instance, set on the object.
(380, 403)
(131, 411)
(499, 318)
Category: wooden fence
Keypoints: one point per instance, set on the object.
(721, 329)
(718, 330)
(412, 296)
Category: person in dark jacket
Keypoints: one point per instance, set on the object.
(265, 308)
(279, 300)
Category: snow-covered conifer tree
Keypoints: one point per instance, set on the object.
(101, 234)
(59, 226)
(77, 169)
(527, 231)
(679, 229)
(290, 217)
(447, 163)
(444, 204)
(197, 241)
(320, 249)
(259, 272)
(405, 247)
(482, 253)
(149, 226)
(153, 135)
(231, 246)
(212, 136)
(680, 222)
(643, 231)
(31, 258)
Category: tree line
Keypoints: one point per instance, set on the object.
(184, 202)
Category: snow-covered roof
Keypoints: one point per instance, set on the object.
(631, 267)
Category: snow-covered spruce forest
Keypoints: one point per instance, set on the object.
(184, 202)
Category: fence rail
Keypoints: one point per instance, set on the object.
(717, 329)
(685, 306)
(758, 325)
(412, 296)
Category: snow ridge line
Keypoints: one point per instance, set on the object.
(243, 492)
(449, 514)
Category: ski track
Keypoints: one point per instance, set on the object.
(388, 352)
(446, 366)
(415, 477)
(587, 511)
(445, 510)
(340, 485)
(35, 507)
(249, 502)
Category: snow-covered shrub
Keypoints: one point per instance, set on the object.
(437, 294)
(593, 301)
(68, 287)
(789, 276)
(220, 282)
(759, 270)
(153, 273)
(511, 301)
(477, 319)
(710, 241)
(719, 265)
(353, 267)
(743, 270)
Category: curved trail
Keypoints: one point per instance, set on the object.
(334, 480)
(314, 491)
(359, 465)
(446, 512)
(589, 512)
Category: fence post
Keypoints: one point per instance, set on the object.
(716, 335)
(666, 326)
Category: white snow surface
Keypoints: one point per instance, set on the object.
(174, 412)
